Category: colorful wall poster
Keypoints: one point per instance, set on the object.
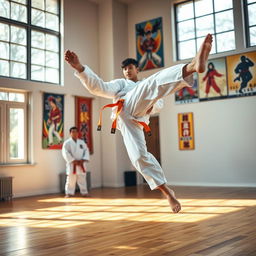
(149, 44)
(242, 74)
(186, 131)
(188, 94)
(213, 82)
(53, 120)
(84, 120)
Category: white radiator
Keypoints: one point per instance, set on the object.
(6, 188)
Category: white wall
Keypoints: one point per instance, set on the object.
(80, 35)
(225, 140)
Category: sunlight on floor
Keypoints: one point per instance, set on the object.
(81, 211)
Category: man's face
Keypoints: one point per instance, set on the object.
(131, 72)
(74, 134)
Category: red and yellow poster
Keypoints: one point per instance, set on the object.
(84, 120)
(242, 74)
(186, 131)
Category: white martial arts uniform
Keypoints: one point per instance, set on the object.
(75, 150)
(139, 97)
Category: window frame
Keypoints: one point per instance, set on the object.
(246, 21)
(5, 106)
(29, 27)
(175, 26)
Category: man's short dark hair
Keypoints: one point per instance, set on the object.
(73, 128)
(129, 61)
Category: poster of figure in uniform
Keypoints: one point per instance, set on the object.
(188, 94)
(242, 74)
(213, 82)
(53, 120)
(149, 44)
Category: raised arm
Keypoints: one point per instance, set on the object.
(94, 84)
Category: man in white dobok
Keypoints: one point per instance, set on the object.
(136, 100)
(76, 154)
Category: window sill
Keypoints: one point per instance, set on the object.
(17, 164)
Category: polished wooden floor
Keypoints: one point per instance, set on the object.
(131, 221)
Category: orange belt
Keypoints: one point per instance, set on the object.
(119, 104)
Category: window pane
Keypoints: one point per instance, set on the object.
(4, 50)
(37, 73)
(18, 35)
(187, 49)
(18, 53)
(38, 18)
(52, 75)
(252, 32)
(38, 40)
(38, 4)
(52, 22)
(224, 21)
(225, 41)
(4, 32)
(3, 96)
(250, 1)
(252, 14)
(18, 12)
(38, 57)
(52, 43)
(52, 6)
(18, 97)
(4, 8)
(4, 68)
(204, 25)
(18, 70)
(186, 30)
(220, 5)
(203, 7)
(185, 11)
(16, 135)
(52, 59)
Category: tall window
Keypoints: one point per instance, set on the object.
(30, 39)
(196, 18)
(13, 117)
(251, 21)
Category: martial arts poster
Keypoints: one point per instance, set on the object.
(53, 120)
(84, 120)
(242, 74)
(188, 94)
(186, 131)
(213, 82)
(149, 44)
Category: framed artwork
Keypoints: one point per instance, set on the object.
(188, 94)
(149, 44)
(213, 82)
(242, 74)
(84, 120)
(53, 120)
(186, 131)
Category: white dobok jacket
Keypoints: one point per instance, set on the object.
(71, 151)
(139, 97)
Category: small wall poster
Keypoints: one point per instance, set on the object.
(186, 131)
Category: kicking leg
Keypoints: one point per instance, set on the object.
(173, 202)
(199, 62)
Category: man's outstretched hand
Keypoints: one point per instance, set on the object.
(72, 59)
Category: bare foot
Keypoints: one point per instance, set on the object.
(174, 203)
(203, 53)
(172, 200)
(198, 64)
